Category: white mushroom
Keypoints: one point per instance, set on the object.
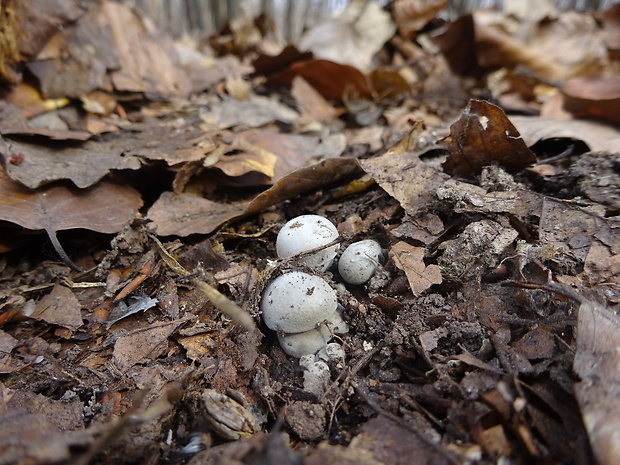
(296, 302)
(304, 310)
(359, 261)
(307, 232)
(306, 343)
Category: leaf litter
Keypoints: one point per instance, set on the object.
(488, 332)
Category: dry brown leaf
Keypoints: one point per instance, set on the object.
(184, 214)
(596, 362)
(12, 122)
(141, 343)
(268, 65)
(351, 37)
(404, 176)
(457, 44)
(410, 259)
(413, 15)
(331, 80)
(380, 430)
(7, 344)
(483, 135)
(388, 85)
(303, 180)
(311, 103)
(104, 208)
(143, 53)
(59, 307)
(593, 97)
(291, 151)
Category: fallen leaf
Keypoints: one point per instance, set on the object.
(252, 112)
(7, 344)
(413, 15)
(104, 208)
(331, 80)
(87, 163)
(404, 176)
(141, 343)
(351, 37)
(593, 97)
(598, 136)
(12, 122)
(143, 53)
(388, 85)
(291, 151)
(483, 135)
(184, 214)
(596, 362)
(410, 259)
(268, 65)
(311, 103)
(457, 44)
(59, 307)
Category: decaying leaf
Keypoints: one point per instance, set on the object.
(403, 175)
(185, 214)
(59, 307)
(142, 343)
(596, 362)
(410, 259)
(483, 135)
(104, 208)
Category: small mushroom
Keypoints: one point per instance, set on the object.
(307, 232)
(359, 261)
(306, 343)
(296, 302)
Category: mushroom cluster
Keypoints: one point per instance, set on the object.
(303, 308)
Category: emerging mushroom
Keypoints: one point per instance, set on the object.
(359, 261)
(304, 310)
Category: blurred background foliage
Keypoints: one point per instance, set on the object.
(292, 17)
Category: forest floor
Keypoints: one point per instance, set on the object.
(145, 182)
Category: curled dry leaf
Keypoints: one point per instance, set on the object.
(412, 15)
(593, 97)
(483, 135)
(331, 80)
(184, 214)
(410, 259)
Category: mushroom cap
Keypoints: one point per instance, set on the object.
(359, 261)
(296, 302)
(307, 232)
